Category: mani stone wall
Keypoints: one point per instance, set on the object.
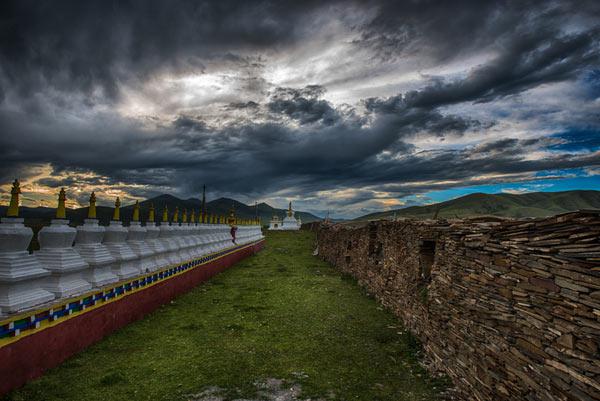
(509, 310)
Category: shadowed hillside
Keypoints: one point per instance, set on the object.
(535, 204)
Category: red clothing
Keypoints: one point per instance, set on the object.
(233, 230)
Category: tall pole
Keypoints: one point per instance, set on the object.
(203, 202)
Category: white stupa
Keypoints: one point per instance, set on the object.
(288, 223)
(275, 223)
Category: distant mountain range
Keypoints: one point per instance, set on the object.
(533, 204)
(219, 206)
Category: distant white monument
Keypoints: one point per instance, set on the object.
(275, 223)
(288, 223)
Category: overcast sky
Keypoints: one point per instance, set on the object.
(345, 106)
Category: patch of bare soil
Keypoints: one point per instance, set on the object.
(268, 390)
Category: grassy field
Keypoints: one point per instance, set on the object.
(281, 314)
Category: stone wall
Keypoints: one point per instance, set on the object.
(509, 310)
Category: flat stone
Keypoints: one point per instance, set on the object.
(570, 285)
(566, 340)
(546, 283)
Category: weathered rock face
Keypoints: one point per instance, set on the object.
(510, 310)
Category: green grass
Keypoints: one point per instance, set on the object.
(280, 314)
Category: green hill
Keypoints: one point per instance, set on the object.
(535, 204)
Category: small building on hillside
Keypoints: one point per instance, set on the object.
(288, 223)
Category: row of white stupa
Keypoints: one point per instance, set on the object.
(73, 260)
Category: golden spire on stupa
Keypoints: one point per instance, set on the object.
(151, 213)
(117, 212)
(231, 220)
(184, 216)
(13, 206)
(92, 207)
(136, 211)
(61, 212)
(165, 217)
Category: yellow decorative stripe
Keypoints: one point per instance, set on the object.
(59, 306)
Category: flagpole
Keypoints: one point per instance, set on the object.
(203, 202)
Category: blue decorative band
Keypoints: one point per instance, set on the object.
(24, 324)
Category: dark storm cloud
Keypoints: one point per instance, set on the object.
(89, 45)
(61, 58)
(268, 157)
(418, 173)
(531, 61)
(242, 105)
(410, 119)
(85, 46)
(303, 105)
(189, 123)
(510, 145)
(534, 59)
(446, 30)
(71, 181)
(530, 55)
(442, 28)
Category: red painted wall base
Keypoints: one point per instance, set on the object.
(31, 356)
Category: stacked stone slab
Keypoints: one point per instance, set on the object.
(211, 239)
(193, 228)
(166, 236)
(177, 232)
(21, 274)
(126, 263)
(223, 236)
(153, 241)
(88, 244)
(185, 235)
(136, 239)
(58, 256)
(247, 234)
(241, 235)
(197, 235)
(509, 309)
(204, 246)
